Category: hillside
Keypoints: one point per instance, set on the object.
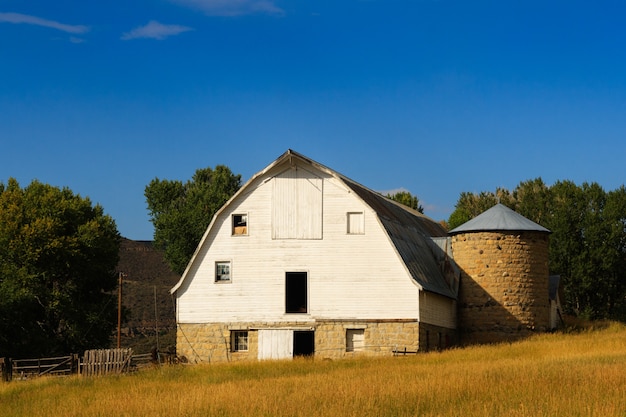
(148, 278)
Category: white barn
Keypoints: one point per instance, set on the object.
(304, 261)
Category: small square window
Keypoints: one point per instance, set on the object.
(355, 223)
(239, 340)
(222, 271)
(240, 224)
(355, 340)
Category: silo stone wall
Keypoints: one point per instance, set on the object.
(503, 294)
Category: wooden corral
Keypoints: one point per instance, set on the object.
(93, 363)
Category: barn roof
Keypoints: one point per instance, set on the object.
(411, 232)
(499, 218)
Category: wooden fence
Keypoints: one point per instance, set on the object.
(93, 363)
(106, 361)
(404, 352)
(28, 368)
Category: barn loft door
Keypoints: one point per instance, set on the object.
(275, 344)
(297, 205)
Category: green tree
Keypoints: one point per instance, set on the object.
(587, 244)
(406, 198)
(471, 205)
(58, 255)
(567, 242)
(181, 212)
(531, 199)
(588, 240)
(615, 217)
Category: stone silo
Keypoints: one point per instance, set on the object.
(504, 289)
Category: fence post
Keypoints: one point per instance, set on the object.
(74, 364)
(7, 369)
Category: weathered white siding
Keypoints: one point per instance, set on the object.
(297, 205)
(437, 310)
(350, 276)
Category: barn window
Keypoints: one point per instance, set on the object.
(239, 340)
(222, 271)
(355, 223)
(240, 224)
(355, 340)
(296, 292)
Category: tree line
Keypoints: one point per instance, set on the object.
(587, 243)
(59, 252)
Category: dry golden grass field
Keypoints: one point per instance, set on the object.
(572, 374)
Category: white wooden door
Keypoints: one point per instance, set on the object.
(275, 344)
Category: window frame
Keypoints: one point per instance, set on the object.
(351, 215)
(236, 344)
(350, 346)
(293, 292)
(233, 224)
(217, 277)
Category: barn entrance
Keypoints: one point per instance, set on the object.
(285, 343)
(303, 343)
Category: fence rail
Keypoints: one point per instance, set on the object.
(92, 363)
(27, 368)
(404, 352)
(106, 361)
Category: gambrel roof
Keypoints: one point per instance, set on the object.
(411, 233)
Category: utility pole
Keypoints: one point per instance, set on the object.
(119, 309)
(156, 319)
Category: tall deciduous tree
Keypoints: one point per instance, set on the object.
(531, 199)
(181, 212)
(408, 199)
(58, 254)
(471, 205)
(588, 241)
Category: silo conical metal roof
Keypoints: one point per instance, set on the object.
(499, 218)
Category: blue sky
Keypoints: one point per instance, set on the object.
(434, 97)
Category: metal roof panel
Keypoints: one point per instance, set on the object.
(499, 218)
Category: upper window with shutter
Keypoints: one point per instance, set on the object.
(355, 223)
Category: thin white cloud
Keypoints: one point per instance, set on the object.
(34, 20)
(233, 7)
(394, 191)
(155, 30)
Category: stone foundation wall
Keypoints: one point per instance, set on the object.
(436, 337)
(211, 342)
(380, 337)
(503, 294)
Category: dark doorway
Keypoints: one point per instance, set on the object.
(296, 292)
(303, 343)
